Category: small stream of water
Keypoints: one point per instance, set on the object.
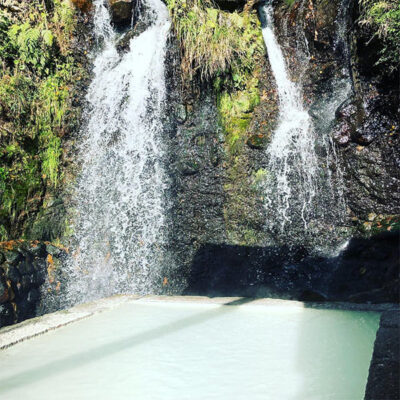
(293, 163)
(303, 198)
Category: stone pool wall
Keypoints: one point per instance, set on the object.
(27, 268)
(384, 371)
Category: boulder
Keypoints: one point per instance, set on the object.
(121, 12)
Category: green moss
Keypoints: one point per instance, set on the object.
(259, 177)
(235, 109)
(383, 17)
(36, 81)
(214, 42)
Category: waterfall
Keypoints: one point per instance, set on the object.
(292, 159)
(300, 196)
(119, 227)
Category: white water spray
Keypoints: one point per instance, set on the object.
(293, 163)
(119, 223)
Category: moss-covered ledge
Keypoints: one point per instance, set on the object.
(28, 271)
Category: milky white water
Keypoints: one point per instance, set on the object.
(119, 217)
(178, 351)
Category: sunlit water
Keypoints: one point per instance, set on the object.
(119, 216)
(164, 351)
(302, 197)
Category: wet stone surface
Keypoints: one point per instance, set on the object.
(384, 372)
(28, 270)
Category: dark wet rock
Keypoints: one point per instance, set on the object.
(12, 256)
(258, 141)
(189, 166)
(7, 315)
(27, 281)
(312, 296)
(12, 274)
(384, 372)
(37, 249)
(124, 41)
(122, 11)
(38, 278)
(123, 44)
(33, 296)
(367, 271)
(21, 284)
(391, 319)
(40, 263)
(26, 267)
(4, 292)
(49, 223)
(349, 116)
(181, 114)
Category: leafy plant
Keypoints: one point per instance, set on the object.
(36, 81)
(212, 41)
(383, 18)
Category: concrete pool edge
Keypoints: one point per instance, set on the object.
(11, 335)
(30, 328)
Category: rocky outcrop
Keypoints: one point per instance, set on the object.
(218, 200)
(28, 273)
(340, 61)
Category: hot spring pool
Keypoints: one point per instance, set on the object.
(184, 350)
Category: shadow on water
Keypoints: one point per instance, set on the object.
(366, 271)
(78, 360)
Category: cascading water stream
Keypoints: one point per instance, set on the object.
(119, 222)
(292, 160)
(300, 196)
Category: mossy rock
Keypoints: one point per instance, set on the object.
(258, 141)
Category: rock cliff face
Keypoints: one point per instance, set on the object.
(217, 131)
(219, 209)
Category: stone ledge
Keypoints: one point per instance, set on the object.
(28, 329)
